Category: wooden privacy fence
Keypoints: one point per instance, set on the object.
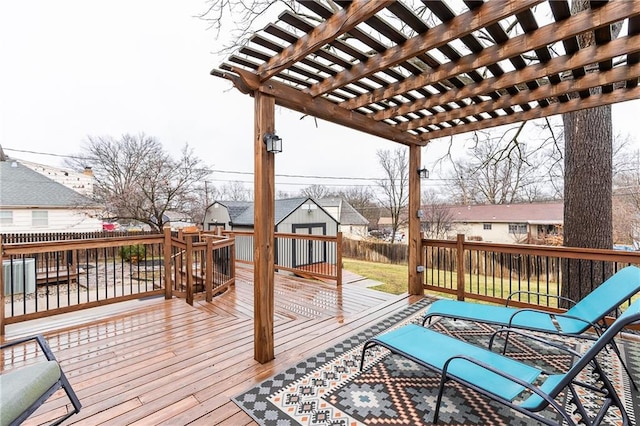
(44, 278)
(32, 237)
(490, 272)
(375, 251)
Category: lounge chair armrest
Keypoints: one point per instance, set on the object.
(42, 343)
(551, 314)
(493, 370)
(536, 293)
(532, 337)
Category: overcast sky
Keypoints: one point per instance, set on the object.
(87, 67)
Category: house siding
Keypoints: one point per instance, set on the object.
(499, 232)
(59, 220)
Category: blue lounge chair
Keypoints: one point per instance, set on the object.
(586, 314)
(520, 386)
(25, 389)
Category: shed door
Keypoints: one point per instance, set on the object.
(309, 252)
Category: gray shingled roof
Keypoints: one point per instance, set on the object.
(283, 208)
(235, 208)
(348, 215)
(22, 187)
(241, 212)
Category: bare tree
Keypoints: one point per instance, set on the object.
(283, 194)
(137, 180)
(437, 218)
(499, 173)
(626, 201)
(235, 191)
(243, 14)
(395, 185)
(316, 192)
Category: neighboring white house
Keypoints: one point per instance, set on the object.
(79, 182)
(352, 224)
(33, 203)
(497, 223)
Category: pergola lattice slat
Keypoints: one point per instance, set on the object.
(432, 39)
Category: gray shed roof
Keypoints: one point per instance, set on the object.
(283, 208)
(348, 215)
(241, 212)
(22, 187)
(235, 208)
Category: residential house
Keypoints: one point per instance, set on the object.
(33, 203)
(351, 223)
(497, 223)
(79, 182)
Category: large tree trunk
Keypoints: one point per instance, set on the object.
(588, 222)
(587, 194)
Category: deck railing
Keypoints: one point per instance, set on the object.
(44, 278)
(490, 272)
(204, 265)
(317, 256)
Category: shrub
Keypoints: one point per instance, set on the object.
(132, 252)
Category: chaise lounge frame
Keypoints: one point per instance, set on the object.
(504, 379)
(589, 313)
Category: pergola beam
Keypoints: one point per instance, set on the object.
(566, 87)
(291, 98)
(595, 100)
(582, 58)
(585, 21)
(338, 24)
(489, 13)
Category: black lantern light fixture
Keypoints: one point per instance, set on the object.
(423, 173)
(273, 143)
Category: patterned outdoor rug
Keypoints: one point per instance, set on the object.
(329, 389)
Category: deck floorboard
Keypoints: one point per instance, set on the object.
(157, 361)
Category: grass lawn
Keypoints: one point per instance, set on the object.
(394, 279)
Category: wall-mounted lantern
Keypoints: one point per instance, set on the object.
(273, 142)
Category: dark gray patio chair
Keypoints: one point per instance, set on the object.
(524, 388)
(25, 389)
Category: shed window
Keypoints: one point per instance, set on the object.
(6, 217)
(486, 226)
(40, 218)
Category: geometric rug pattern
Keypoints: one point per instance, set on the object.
(329, 389)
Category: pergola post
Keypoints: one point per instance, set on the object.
(415, 277)
(263, 241)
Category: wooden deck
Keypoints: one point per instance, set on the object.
(164, 362)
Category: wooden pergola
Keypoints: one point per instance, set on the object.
(410, 76)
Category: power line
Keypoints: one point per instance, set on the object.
(46, 153)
